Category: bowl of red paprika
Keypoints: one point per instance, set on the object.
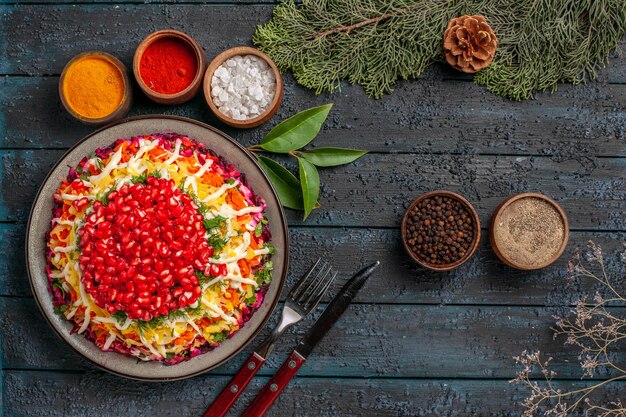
(169, 66)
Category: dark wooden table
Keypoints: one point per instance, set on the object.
(414, 342)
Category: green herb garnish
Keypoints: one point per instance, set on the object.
(217, 242)
(220, 337)
(217, 221)
(202, 279)
(60, 309)
(251, 300)
(258, 230)
(120, 316)
(143, 178)
(265, 275)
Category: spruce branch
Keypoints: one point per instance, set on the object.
(353, 26)
(376, 42)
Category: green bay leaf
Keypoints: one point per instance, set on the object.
(310, 181)
(297, 131)
(330, 157)
(286, 184)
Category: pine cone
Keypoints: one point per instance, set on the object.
(469, 43)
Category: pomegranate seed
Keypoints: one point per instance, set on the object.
(214, 270)
(167, 236)
(168, 280)
(164, 251)
(81, 204)
(140, 250)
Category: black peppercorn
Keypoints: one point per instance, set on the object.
(439, 230)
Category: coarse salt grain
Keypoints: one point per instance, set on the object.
(243, 87)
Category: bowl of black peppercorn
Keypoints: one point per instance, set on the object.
(440, 230)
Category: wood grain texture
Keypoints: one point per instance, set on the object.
(43, 39)
(484, 280)
(417, 341)
(375, 190)
(39, 394)
(422, 116)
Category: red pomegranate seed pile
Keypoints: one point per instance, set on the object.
(140, 250)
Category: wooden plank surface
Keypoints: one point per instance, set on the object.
(41, 43)
(414, 342)
(375, 190)
(483, 280)
(425, 116)
(39, 394)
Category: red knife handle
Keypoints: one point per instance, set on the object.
(275, 386)
(235, 387)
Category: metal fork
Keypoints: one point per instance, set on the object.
(301, 300)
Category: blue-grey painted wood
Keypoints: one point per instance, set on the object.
(421, 116)
(37, 394)
(44, 39)
(402, 349)
(483, 280)
(416, 341)
(375, 190)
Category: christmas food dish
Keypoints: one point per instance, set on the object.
(39, 224)
(158, 248)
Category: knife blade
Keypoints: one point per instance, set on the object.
(298, 356)
(334, 310)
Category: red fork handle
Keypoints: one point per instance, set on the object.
(235, 387)
(275, 386)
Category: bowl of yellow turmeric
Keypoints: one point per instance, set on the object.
(95, 89)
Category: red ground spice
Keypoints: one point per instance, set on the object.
(168, 65)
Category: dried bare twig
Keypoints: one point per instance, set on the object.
(596, 331)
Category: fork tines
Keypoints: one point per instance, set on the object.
(310, 289)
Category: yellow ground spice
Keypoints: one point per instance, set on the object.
(93, 87)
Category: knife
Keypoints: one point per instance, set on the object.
(331, 314)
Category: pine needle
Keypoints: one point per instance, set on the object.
(375, 42)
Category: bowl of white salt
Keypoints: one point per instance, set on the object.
(243, 87)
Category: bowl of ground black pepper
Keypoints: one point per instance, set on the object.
(529, 231)
(440, 230)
